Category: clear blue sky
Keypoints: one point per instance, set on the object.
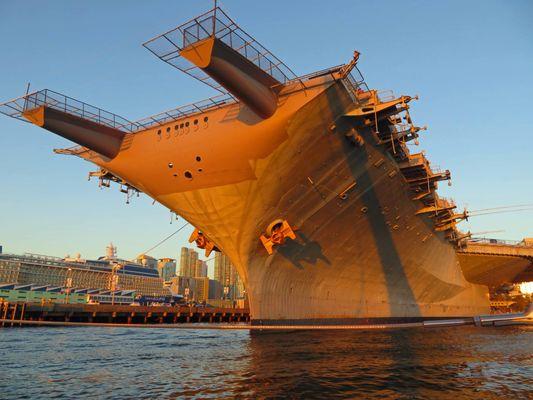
(471, 62)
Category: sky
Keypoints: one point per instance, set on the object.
(471, 63)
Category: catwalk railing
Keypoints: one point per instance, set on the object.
(15, 108)
(48, 98)
(215, 23)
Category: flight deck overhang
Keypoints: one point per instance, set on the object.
(95, 129)
(215, 50)
(242, 78)
(97, 137)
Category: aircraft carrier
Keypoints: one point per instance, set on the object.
(307, 182)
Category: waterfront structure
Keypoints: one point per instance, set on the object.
(146, 261)
(231, 285)
(39, 294)
(201, 289)
(305, 182)
(215, 289)
(201, 269)
(188, 261)
(31, 269)
(166, 268)
(225, 274)
(110, 252)
(11, 292)
(181, 285)
(191, 288)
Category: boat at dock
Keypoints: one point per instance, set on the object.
(305, 182)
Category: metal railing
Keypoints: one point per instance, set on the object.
(186, 111)
(48, 98)
(215, 23)
(356, 85)
(505, 242)
(15, 108)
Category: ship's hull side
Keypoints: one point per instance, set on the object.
(362, 256)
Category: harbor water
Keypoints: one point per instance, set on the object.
(126, 363)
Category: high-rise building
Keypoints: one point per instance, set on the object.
(201, 269)
(239, 287)
(215, 289)
(188, 258)
(201, 289)
(166, 268)
(225, 273)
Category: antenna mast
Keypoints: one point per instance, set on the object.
(214, 16)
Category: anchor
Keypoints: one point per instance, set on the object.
(276, 233)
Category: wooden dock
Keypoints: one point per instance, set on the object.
(12, 314)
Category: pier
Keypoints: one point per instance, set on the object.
(185, 317)
(17, 314)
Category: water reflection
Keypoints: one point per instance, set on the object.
(391, 364)
(127, 363)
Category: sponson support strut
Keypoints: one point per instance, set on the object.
(97, 137)
(242, 78)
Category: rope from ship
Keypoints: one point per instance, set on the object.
(165, 239)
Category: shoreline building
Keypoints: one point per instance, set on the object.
(77, 273)
(188, 259)
(146, 261)
(201, 269)
(230, 284)
(201, 289)
(192, 281)
(166, 268)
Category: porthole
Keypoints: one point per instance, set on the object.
(200, 170)
(181, 125)
(206, 119)
(159, 131)
(176, 127)
(188, 174)
(168, 129)
(195, 122)
(170, 165)
(187, 123)
(198, 158)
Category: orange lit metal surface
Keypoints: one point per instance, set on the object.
(321, 151)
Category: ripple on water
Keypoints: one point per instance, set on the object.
(123, 363)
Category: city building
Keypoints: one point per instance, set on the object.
(231, 286)
(188, 258)
(166, 268)
(240, 290)
(215, 289)
(32, 269)
(201, 289)
(191, 288)
(146, 261)
(181, 285)
(12, 292)
(201, 269)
